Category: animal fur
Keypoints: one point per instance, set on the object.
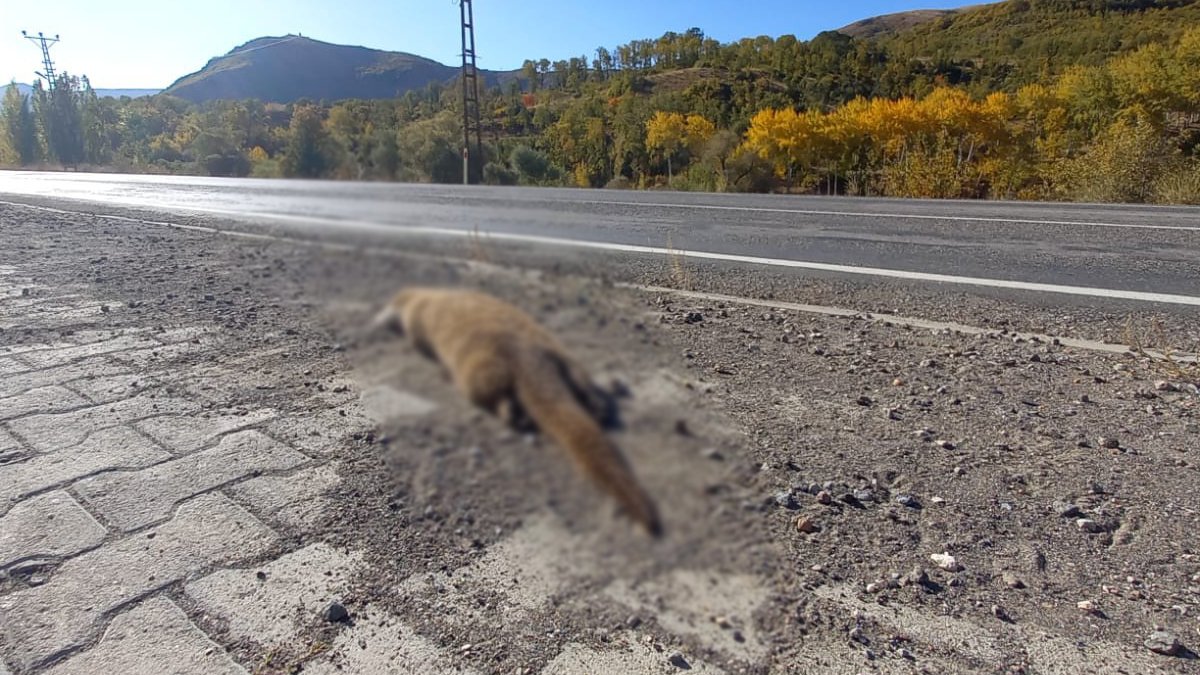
(502, 360)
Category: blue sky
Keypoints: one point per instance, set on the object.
(150, 43)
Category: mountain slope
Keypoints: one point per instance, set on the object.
(889, 24)
(288, 68)
(1039, 37)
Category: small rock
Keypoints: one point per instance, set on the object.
(897, 382)
(633, 621)
(906, 654)
(946, 562)
(1000, 613)
(1163, 385)
(693, 317)
(1109, 443)
(713, 454)
(824, 497)
(875, 586)
(1162, 642)
(864, 401)
(806, 525)
(1086, 606)
(1012, 580)
(1088, 525)
(858, 636)
(864, 495)
(785, 499)
(260, 575)
(1067, 510)
(909, 501)
(676, 659)
(917, 576)
(944, 444)
(335, 612)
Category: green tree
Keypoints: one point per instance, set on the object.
(60, 116)
(308, 153)
(20, 130)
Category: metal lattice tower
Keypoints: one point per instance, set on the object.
(472, 156)
(47, 64)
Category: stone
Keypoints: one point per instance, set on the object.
(144, 639)
(335, 612)
(946, 561)
(1011, 580)
(130, 500)
(1162, 642)
(824, 497)
(1109, 443)
(50, 524)
(807, 525)
(37, 623)
(908, 500)
(1067, 510)
(677, 659)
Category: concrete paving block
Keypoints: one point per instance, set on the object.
(153, 637)
(97, 367)
(384, 403)
(184, 435)
(115, 448)
(52, 524)
(48, 433)
(275, 608)
(11, 366)
(296, 501)
(42, 400)
(627, 656)
(38, 623)
(321, 434)
(46, 358)
(112, 388)
(376, 644)
(129, 500)
(159, 354)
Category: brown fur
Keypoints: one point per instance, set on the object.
(502, 360)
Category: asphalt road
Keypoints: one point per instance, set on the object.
(1148, 253)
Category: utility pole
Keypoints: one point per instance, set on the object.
(47, 65)
(470, 82)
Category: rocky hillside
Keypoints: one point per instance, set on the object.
(292, 67)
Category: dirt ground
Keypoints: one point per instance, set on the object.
(818, 472)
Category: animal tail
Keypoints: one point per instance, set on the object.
(550, 401)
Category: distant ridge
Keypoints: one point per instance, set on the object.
(291, 67)
(102, 93)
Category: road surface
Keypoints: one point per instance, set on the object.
(1138, 253)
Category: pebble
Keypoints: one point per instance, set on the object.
(857, 635)
(1162, 642)
(918, 576)
(1086, 606)
(864, 401)
(824, 497)
(806, 525)
(1012, 580)
(1109, 443)
(1067, 510)
(1163, 385)
(1088, 525)
(786, 499)
(864, 495)
(946, 562)
(1000, 613)
(676, 659)
(335, 612)
(944, 444)
(909, 501)
(875, 586)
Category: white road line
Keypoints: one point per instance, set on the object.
(900, 216)
(402, 230)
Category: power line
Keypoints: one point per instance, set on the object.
(470, 82)
(47, 64)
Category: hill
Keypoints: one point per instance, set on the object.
(292, 67)
(114, 93)
(1032, 38)
(889, 24)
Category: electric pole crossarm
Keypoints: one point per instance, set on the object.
(45, 43)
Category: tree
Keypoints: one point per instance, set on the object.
(666, 133)
(20, 130)
(61, 120)
(308, 154)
